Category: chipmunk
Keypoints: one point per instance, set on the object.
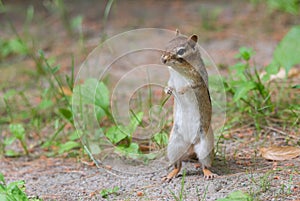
(188, 82)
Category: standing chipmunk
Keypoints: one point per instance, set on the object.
(191, 132)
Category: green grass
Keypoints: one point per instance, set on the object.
(22, 116)
(181, 194)
(258, 99)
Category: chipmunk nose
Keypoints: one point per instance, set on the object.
(164, 59)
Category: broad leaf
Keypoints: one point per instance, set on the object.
(286, 53)
(93, 93)
(17, 130)
(132, 150)
(68, 146)
(116, 134)
(135, 120)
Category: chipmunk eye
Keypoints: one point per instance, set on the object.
(180, 52)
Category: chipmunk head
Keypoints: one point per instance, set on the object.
(180, 52)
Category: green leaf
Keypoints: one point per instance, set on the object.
(296, 86)
(55, 69)
(245, 53)
(290, 6)
(3, 197)
(12, 185)
(115, 134)
(102, 96)
(76, 22)
(135, 120)
(239, 69)
(10, 93)
(93, 93)
(100, 113)
(45, 104)
(17, 130)
(133, 148)
(236, 196)
(115, 189)
(17, 46)
(11, 153)
(105, 192)
(286, 53)
(3, 47)
(2, 179)
(161, 138)
(14, 191)
(68, 146)
(9, 140)
(150, 156)
(67, 114)
(242, 90)
(271, 69)
(74, 136)
(18, 194)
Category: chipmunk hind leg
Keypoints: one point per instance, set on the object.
(205, 153)
(206, 163)
(177, 151)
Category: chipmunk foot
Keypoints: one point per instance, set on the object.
(171, 175)
(208, 174)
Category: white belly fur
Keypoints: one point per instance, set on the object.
(186, 114)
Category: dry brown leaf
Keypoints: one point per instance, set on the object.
(280, 153)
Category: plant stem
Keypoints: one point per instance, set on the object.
(23, 144)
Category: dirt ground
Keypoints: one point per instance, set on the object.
(238, 162)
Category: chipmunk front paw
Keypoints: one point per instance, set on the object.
(169, 90)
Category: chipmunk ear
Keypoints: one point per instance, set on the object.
(177, 32)
(193, 40)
